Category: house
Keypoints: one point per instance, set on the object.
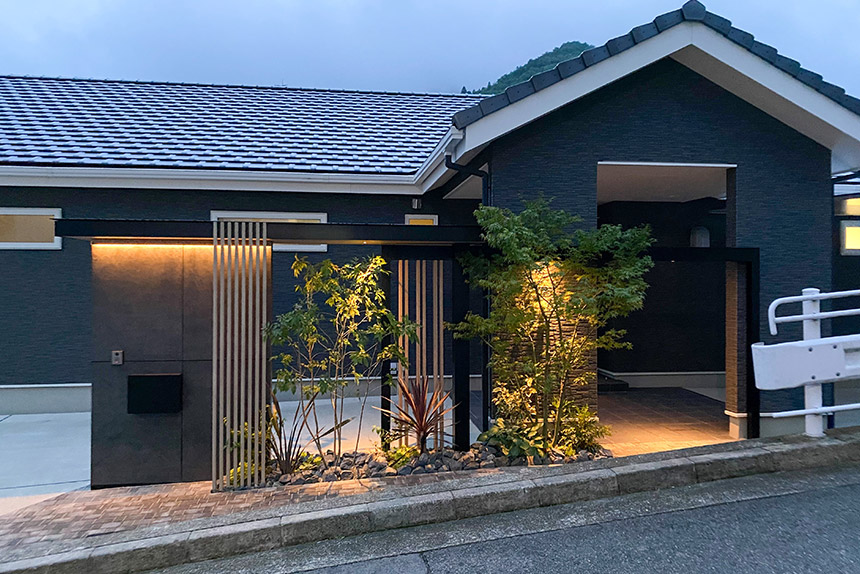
(685, 123)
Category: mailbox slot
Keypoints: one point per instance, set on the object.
(154, 394)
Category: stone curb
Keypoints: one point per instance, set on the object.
(791, 453)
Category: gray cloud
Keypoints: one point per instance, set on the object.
(405, 45)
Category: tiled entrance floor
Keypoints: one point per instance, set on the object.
(654, 420)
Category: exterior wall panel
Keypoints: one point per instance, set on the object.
(667, 113)
(45, 308)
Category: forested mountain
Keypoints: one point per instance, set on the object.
(542, 63)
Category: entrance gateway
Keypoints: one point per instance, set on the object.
(185, 298)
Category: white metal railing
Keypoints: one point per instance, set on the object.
(810, 362)
(809, 295)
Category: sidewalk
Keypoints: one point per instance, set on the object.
(138, 528)
(43, 455)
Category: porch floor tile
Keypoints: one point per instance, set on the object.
(659, 419)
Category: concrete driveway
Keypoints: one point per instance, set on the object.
(42, 456)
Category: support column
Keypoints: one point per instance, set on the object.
(459, 309)
(736, 345)
(385, 370)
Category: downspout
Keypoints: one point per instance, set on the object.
(486, 375)
(485, 177)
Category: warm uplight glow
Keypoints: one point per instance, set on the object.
(148, 245)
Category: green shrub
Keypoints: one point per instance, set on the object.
(553, 291)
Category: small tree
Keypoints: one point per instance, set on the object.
(336, 335)
(552, 293)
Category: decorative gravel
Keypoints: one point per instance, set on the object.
(354, 465)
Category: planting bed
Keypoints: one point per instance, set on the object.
(376, 465)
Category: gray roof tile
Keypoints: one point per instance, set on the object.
(745, 39)
(810, 78)
(545, 79)
(718, 23)
(68, 122)
(693, 11)
(620, 44)
(669, 19)
(645, 31)
(595, 55)
(570, 67)
(764, 51)
(787, 65)
(519, 91)
(494, 103)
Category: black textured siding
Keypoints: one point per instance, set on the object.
(45, 296)
(667, 113)
(682, 325)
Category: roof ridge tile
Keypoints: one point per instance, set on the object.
(691, 11)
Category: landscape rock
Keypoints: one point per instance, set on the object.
(357, 465)
(330, 475)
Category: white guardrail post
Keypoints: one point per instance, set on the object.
(810, 362)
(814, 423)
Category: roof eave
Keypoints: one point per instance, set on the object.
(210, 179)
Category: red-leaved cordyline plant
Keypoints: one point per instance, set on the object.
(422, 412)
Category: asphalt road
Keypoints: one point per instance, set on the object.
(782, 523)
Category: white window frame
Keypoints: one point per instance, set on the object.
(54, 212)
(274, 216)
(843, 237)
(410, 216)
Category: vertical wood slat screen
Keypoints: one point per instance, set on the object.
(240, 275)
(426, 359)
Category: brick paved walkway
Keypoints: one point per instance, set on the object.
(87, 514)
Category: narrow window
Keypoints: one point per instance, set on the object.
(848, 206)
(421, 219)
(29, 228)
(278, 217)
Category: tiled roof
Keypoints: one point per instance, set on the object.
(692, 11)
(73, 122)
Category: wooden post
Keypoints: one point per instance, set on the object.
(459, 309)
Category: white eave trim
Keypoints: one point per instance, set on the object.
(220, 180)
(751, 78)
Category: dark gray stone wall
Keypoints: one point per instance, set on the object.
(667, 113)
(46, 296)
(152, 303)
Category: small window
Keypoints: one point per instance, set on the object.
(421, 219)
(278, 217)
(29, 228)
(848, 206)
(700, 237)
(850, 238)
